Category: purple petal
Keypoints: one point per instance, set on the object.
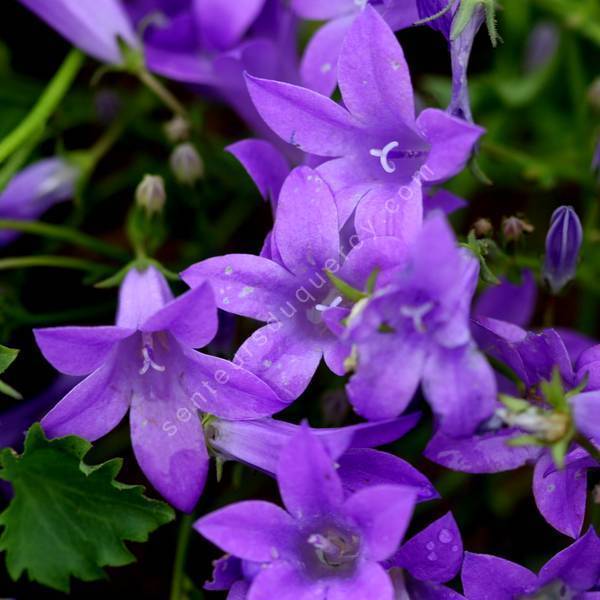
(486, 577)
(245, 284)
(253, 530)
(306, 225)
(578, 565)
(382, 513)
(191, 318)
(283, 581)
(93, 28)
(226, 571)
(222, 24)
(443, 200)
(93, 407)
(435, 554)
(575, 342)
(319, 63)
(219, 387)
(317, 10)
(508, 301)
(390, 210)
(142, 293)
(303, 118)
(336, 352)
(361, 468)
(167, 439)
(383, 387)
(460, 386)
(374, 77)
(369, 582)
(482, 453)
(309, 487)
(264, 163)
(452, 143)
(586, 412)
(424, 590)
(283, 356)
(560, 495)
(79, 350)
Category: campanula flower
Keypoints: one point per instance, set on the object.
(563, 244)
(324, 545)
(34, 190)
(375, 150)
(415, 330)
(146, 364)
(288, 287)
(572, 573)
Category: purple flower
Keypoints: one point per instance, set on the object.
(415, 330)
(92, 26)
(288, 287)
(572, 573)
(146, 363)
(259, 443)
(376, 151)
(34, 190)
(319, 63)
(324, 545)
(563, 244)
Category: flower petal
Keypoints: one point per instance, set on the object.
(586, 412)
(382, 513)
(79, 350)
(93, 407)
(167, 439)
(254, 530)
(369, 582)
(317, 10)
(434, 554)
(303, 118)
(191, 318)
(245, 284)
(283, 581)
(374, 77)
(306, 226)
(309, 487)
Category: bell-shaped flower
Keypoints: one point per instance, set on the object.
(147, 364)
(376, 150)
(325, 544)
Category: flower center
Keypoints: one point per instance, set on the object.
(387, 165)
(148, 355)
(335, 549)
(417, 313)
(315, 313)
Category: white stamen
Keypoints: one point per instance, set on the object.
(146, 355)
(335, 302)
(416, 313)
(388, 166)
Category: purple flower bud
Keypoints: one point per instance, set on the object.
(596, 161)
(150, 194)
(541, 46)
(563, 243)
(186, 164)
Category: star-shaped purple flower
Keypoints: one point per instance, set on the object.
(323, 545)
(146, 364)
(377, 152)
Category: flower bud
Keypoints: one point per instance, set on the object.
(186, 164)
(541, 46)
(596, 162)
(513, 228)
(177, 129)
(563, 243)
(150, 194)
(482, 227)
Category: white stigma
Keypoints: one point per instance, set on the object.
(416, 313)
(147, 355)
(388, 166)
(323, 307)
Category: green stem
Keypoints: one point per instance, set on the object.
(18, 158)
(45, 106)
(153, 84)
(183, 537)
(46, 260)
(66, 235)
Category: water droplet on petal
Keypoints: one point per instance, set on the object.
(444, 536)
(430, 545)
(454, 548)
(432, 556)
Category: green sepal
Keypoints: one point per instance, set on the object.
(515, 405)
(525, 440)
(554, 393)
(7, 357)
(349, 292)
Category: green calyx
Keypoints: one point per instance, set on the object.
(466, 12)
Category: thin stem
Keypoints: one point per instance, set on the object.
(153, 84)
(66, 235)
(19, 158)
(47, 260)
(183, 537)
(45, 106)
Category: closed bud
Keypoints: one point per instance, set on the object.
(150, 194)
(482, 227)
(596, 161)
(186, 164)
(513, 228)
(563, 243)
(177, 129)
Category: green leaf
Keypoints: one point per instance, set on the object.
(7, 357)
(7, 390)
(69, 519)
